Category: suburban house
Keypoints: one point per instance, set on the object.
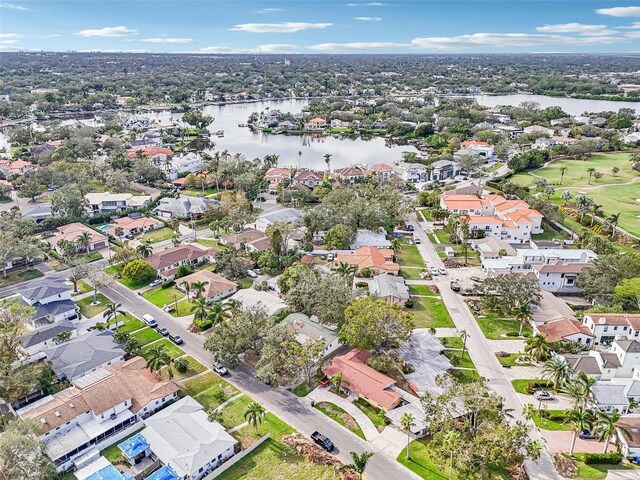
(378, 260)
(413, 172)
(491, 248)
(383, 171)
(308, 178)
(558, 277)
(544, 143)
(606, 326)
(84, 354)
(287, 215)
(274, 176)
(188, 445)
(115, 202)
(52, 303)
(620, 362)
(317, 123)
(216, 287)
(608, 396)
(44, 337)
(187, 163)
(565, 330)
(100, 469)
(167, 262)
(369, 238)
(249, 238)
(482, 149)
(391, 288)
(309, 329)
(443, 169)
(362, 380)
(15, 167)
(71, 232)
(249, 298)
(629, 436)
(157, 155)
(38, 213)
(351, 174)
(538, 129)
(133, 224)
(98, 410)
(184, 207)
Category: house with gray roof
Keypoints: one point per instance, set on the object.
(84, 354)
(610, 396)
(287, 215)
(424, 353)
(392, 288)
(52, 304)
(308, 329)
(369, 238)
(43, 338)
(184, 206)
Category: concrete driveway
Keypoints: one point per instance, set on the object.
(560, 441)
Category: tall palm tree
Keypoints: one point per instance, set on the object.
(359, 464)
(562, 172)
(575, 390)
(591, 171)
(144, 249)
(566, 196)
(613, 220)
(538, 347)
(580, 420)
(157, 358)
(407, 421)
(84, 241)
(327, 160)
(187, 288)
(217, 313)
(556, 370)
(522, 314)
(595, 209)
(198, 287)
(112, 311)
(253, 414)
(346, 270)
(528, 411)
(587, 383)
(606, 426)
(200, 309)
(464, 336)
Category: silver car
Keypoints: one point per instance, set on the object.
(434, 271)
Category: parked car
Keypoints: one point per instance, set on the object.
(434, 271)
(454, 286)
(177, 339)
(252, 274)
(476, 279)
(410, 228)
(220, 370)
(149, 320)
(163, 331)
(155, 283)
(543, 395)
(587, 435)
(330, 257)
(322, 441)
(442, 271)
(397, 235)
(417, 241)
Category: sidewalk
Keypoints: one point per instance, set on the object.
(324, 395)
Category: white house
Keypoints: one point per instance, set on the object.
(115, 202)
(482, 149)
(187, 163)
(287, 215)
(606, 326)
(52, 303)
(559, 277)
(42, 338)
(309, 329)
(413, 172)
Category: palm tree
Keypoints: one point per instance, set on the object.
(407, 421)
(606, 426)
(253, 414)
(346, 270)
(198, 287)
(359, 463)
(144, 249)
(562, 172)
(595, 209)
(464, 336)
(538, 347)
(200, 309)
(579, 420)
(187, 288)
(214, 415)
(522, 314)
(528, 411)
(566, 196)
(583, 204)
(84, 241)
(157, 358)
(395, 245)
(575, 390)
(613, 220)
(587, 383)
(556, 370)
(327, 160)
(112, 311)
(591, 171)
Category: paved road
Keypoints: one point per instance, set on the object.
(480, 351)
(297, 412)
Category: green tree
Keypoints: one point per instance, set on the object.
(407, 422)
(628, 292)
(522, 314)
(112, 312)
(157, 357)
(359, 463)
(346, 270)
(22, 455)
(373, 324)
(598, 280)
(198, 287)
(144, 249)
(563, 170)
(607, 426)
(62, 337)
(83, 241)
(68, 201)
(557, 370)
(339, 237)
(579, 420)
(139, 271)
(253, 414)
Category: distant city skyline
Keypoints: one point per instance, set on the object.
(287, 27)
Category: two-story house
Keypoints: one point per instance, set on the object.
(605, 326)
(115, 202)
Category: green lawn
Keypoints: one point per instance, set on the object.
(430, 312)
(411, 273)
(112, 452)
(337, 414)
(194, 368)
(550, 233)
(211, 243)
(442, 236)
(159, 235)
(303, 389)
(465, 376)
(451, 342)
(127, 282)
(20, 276)
(375, 414)
(146, 335)
(426, 214)
(501, 328)
(454, 357)
(421, 463)
(555, 421)
(421, 290)
(520, 384)
(163, 296)
(597, 472)
(183, 308)
(274, 461)
(270, 424)
(197, 192)
(87, 310)
(409, 256)
(209, 383)
(233, 414)
(131, 323)
(509, 361)
(83, 287)
(173, 350)
(245, 282)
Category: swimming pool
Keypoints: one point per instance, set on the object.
(102, 228)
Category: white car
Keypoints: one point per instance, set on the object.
(252, 274)
(542, 395)
(442, 271)
(434, 271)
(155, 283)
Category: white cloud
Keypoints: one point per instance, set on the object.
(506, 40)
(167, 40)
(283, 27)
(9, 48)
(269, 10)
(620, 11)
(358, 46)
(5, 36)
(267, 48)
(107, 32)
(580, 28)
(370, 4)
(368, 19)
(13, 6)
(278, 48)
(52, 35)
(6, 42)
(223, 49)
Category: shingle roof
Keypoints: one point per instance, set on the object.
(583, 363)
(45, 333)
(385, 285)
(215, 284)
(43, 291)
(629, 346)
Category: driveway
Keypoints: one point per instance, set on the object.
(560, 441)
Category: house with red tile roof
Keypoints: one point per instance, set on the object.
(71, 232)
(157, 155)
(378, 260)
(382, 171)
(364, 381)
(167, 262)
(483, 149)
(317, 123)
(308, 178)
(133, 226)
(605, 326)
(15, 167)
(565, 330)
(274, 176)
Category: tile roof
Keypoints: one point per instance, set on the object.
(619, 319)
(72, 231)
(381, 168)
(173, 255)
(369, 257)
(629, 346)
(560, 330)
(561, 267)
(583, 363)
(215, 284)
(360, 378)
(128, 223)
(149, 151)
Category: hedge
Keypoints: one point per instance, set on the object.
(611, 458)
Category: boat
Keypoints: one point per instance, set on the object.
(220, 133)
(242, 125)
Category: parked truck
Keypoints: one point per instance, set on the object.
(322, 441)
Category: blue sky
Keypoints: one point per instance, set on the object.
(321, 26)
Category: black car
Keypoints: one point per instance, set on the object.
(587, 435)
(322, 441)
(177, 339)
(163, 331)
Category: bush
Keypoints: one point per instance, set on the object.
(537, 385)
(181, 364)
(138, 271)
(167, 284)
(362, 285)
(408, 303)
(366, 272)
(611, 458)
(184, 270)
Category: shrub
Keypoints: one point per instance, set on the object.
(138, 271)
(408, 303)
(362, 285)
(167, 284)
(184, 270)
(181, 364)
(537, 385)
(611, 458)
(366, 272)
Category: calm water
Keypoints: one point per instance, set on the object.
(573, 106)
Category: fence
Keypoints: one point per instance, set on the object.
(236, 458)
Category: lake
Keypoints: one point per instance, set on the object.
(573, 106)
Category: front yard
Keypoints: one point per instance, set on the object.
(131, 323)
(423, 290)
(375, 414)
(495, 328)
(551, 419)
(87, 310)
(338, 415)
(409, 256)
(233, 414)
(127, 282)
(20, 276)
(598, 472)
(430, 312)
(194, 368)
(159, 235)
(173, 350)
(163, 296)
(146, 336)
(209, 390)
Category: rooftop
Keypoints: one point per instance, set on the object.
(214, 283)
(173, 255)
(561, 330)
(306, 329)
